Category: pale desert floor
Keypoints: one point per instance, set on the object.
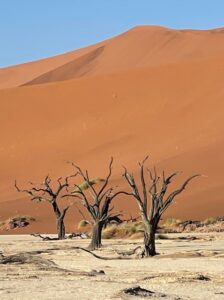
(55, 270)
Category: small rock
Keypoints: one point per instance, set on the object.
(100, 272)
(202, 277)
(138, 291)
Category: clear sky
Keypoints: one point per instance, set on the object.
(33, 29)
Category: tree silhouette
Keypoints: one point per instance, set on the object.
(155, 194)
(97, 202)
(50, 193)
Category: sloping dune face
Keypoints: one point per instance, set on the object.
(21, 74)
(140, 93)
(76, 68)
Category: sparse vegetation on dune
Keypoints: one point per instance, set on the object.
(153, 199)
(135, 230)
(151, 89)
(122, 230)
(22, 217)
(85, 185)
(109, 232)
(171, 222)
(51, 193)
(97, 202)
(82, 224)
(210, 220)
(210, 224)
(16, 221)
(96, 196)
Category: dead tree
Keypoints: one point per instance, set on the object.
(155, 194)
(46, 192)
(97, 202)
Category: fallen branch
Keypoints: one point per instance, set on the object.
(75, 235)
(130, 252)
(138, 292)
(100, 257)
(44, 238)
(70, 236)
(42, 263)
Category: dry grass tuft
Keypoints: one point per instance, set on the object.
(125, 230)
(16, 221)
(22, 218)
(171, 222)
(82, 224)
(210, 221)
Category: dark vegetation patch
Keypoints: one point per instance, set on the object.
(18, 221)
(138, 292)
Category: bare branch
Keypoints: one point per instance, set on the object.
(143, 182)
(85, 176)
(81, 213)
(158, 205)
(171, 197)
(45, 192)
(64, 211)
(135, 193)
(107, 178)
(120, 193)
(131, 182)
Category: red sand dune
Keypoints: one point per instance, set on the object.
(149, 91)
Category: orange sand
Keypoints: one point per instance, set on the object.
(151, 90)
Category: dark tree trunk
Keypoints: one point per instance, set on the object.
(96, 236)
(61, 228)
(149, 241)
(60, 221)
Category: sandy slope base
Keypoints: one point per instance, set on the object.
(149, 91)
(177, 272)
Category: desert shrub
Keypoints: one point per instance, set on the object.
(137, 235)
(124, 230)
(16, 222)
(20, 218)
(139, 226)
(82, 224)
(84, 185)
(210, 220)
(171, 222)
(109, 232)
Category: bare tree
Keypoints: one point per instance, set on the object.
(155, 194)
(46, 192)
(97, 202)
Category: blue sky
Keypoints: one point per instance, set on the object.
(33, 29)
